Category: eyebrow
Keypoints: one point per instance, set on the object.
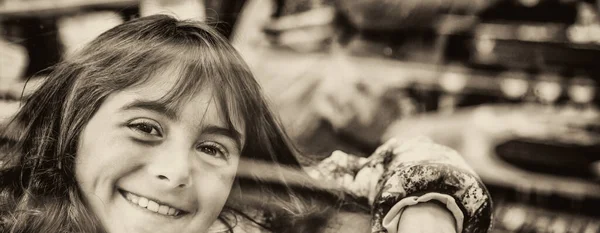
(225, 131)
(153, 106)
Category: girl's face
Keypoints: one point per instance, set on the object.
(145, 168)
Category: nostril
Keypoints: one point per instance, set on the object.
(165, 178)
(161, 177)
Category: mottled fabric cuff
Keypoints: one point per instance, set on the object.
(468, 192)
(392, 218)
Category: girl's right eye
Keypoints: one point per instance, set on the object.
(146, 127)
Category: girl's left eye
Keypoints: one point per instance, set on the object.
(146, 127)
(213, 149)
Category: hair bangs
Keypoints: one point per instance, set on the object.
(206, 68)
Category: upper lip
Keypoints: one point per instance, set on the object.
(159, 201)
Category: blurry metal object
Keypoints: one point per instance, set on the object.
(579, 34)
(485, 46)
(452, 84)
(559, 225)
(550, 157)
(514, 218)
(587, 26)
(528, 200)
(394, 15)
(538, 32)
(548, 89)
(535, 45)
(582, 90)
(542, 223)
(484, 49)
(514, 85)
(493, 125)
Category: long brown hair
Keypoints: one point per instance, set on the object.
(38, 191)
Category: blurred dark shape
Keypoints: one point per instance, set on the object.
(395, 15)
(39, 36)
(224, 13)
(542, 11)
(564, 159)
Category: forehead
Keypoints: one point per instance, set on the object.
(189, 95)
(160, 84)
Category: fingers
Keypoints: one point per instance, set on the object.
(341, 167)
(366, 180)
(339, 161)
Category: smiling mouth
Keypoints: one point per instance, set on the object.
(151, 205)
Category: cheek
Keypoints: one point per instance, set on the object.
(88, 151)
(213, 187)
(103, 157)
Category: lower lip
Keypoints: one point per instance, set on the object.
(122, 194)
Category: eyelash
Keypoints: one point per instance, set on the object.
(142, 125)
(214, 146)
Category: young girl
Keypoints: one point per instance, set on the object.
(159, 126)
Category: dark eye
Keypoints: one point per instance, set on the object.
(213, 149)
(209, 150)
(146, 126)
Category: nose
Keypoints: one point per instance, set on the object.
(171, 168)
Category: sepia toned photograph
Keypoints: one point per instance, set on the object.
(299, 116)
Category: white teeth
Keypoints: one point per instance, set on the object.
(143, 202)
(151, 205)
(163, 209)
(133, 198)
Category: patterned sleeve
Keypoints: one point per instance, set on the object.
(412, 168)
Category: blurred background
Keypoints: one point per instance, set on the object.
(511, 84)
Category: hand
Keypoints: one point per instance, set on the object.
(426, 217)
